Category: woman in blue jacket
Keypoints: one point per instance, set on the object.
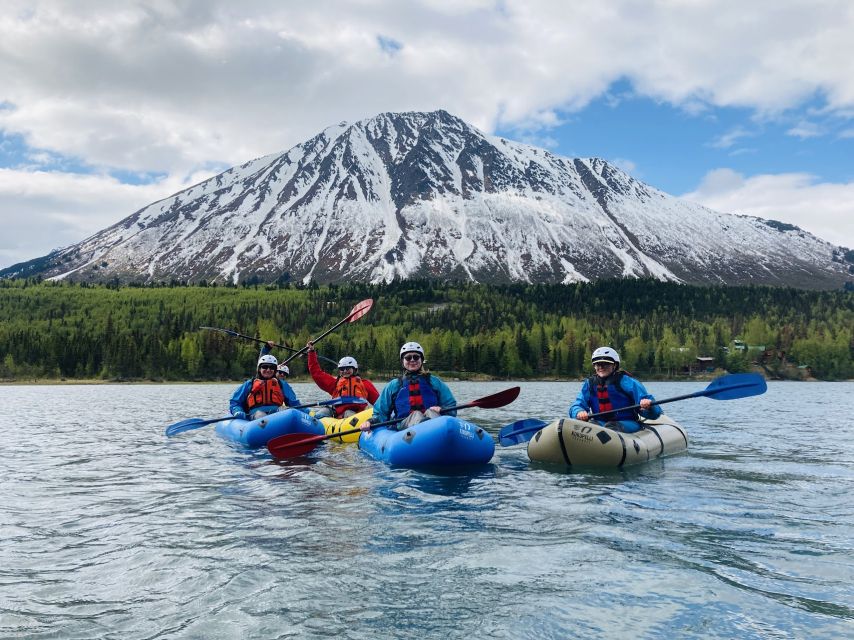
(415, 396)
(611, 389)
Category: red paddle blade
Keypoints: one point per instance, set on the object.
(500, 399)
(293, 445)
(360, 309)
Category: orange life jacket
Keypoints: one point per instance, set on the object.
(265, 393)
(352, 386)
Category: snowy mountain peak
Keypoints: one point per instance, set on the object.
(404, 195)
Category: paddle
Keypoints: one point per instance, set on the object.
(196, 423)
(728, 387)
(519, 431)
(293, 445)
(235, 334)
(356, 312)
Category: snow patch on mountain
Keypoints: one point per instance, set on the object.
(427, 195)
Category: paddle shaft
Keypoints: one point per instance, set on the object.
(355, 310)
(696, 394)
(315, 440)
(189, 425)
(236, 334)
(752, 384)
(493, 401)
(302, 446)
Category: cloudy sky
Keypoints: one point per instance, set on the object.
(108, 105)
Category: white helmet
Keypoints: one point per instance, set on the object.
(411, 347)
(283, 368)
(347, 361)
(606, 354)
(268, 359)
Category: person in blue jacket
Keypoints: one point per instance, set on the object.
(262, 394)
(609, 388)
(415, 396)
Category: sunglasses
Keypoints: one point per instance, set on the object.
(281, 373)
(412, 357)
(346, 369)
(267, 366)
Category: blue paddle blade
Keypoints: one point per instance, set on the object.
(519, 431)
(190, 424)
(736, 385)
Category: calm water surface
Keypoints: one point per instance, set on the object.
(111, 530)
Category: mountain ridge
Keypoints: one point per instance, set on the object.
(434, 197)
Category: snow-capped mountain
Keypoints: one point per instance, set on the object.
(405, 195)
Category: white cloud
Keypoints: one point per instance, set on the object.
(629, 166)
(805, 129)
(166, 86)
(170, 86)
(825, 210)
(729, 138)
(42, 211)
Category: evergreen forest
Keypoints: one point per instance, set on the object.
(82, 331)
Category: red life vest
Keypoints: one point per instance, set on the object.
(352, 386)
(611, 395)
(265, 393)
(415, 394)
(416, 400)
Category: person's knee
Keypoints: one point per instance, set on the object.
(412, 419)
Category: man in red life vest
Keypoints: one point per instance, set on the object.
(348, 383)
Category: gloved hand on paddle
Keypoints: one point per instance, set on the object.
(239, 414)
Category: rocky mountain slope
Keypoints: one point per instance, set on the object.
(427, 195)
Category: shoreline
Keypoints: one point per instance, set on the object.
(703, 377)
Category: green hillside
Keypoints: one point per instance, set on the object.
(79, 331)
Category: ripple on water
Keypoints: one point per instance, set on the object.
(113, 531)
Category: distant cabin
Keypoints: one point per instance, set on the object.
(706, 363)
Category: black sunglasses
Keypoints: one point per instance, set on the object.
(267, 366)
(411, 357)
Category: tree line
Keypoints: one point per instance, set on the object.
(85, 331)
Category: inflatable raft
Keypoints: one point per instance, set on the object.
(337, 425)
(256, 433)
(440, 442)
(575, 443)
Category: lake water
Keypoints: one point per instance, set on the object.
(111, 530)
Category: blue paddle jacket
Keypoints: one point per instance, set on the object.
(623, 391)
(238, 400)
(395, 392)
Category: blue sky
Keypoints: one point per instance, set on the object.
(672, 148)
(106, 107)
